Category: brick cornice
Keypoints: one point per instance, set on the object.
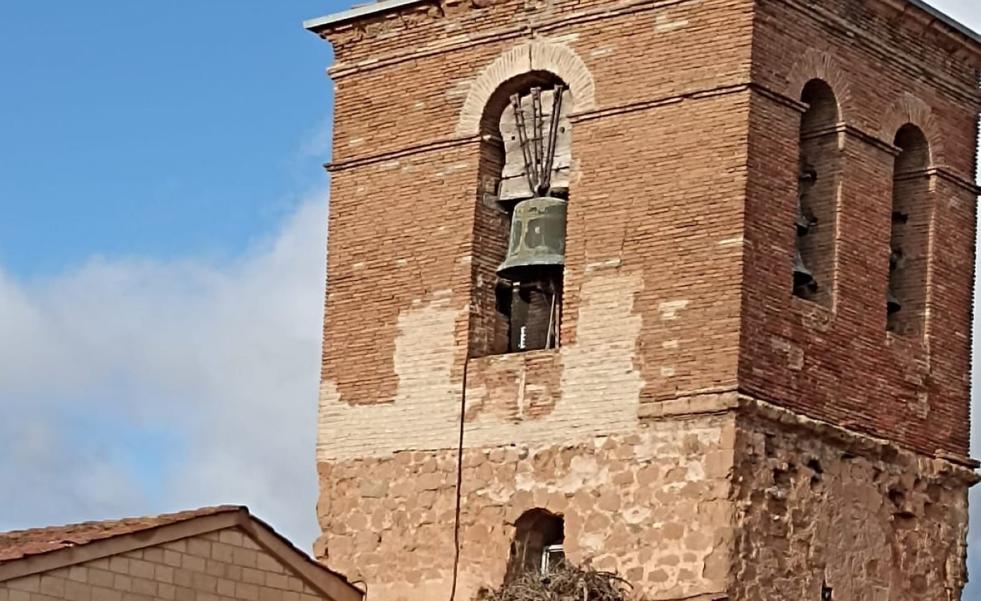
(949, 176)
(820, 132)
(888, 52)
(610, 111)
(780, 98)
(430, 146)
(652, 103)
(869, 138)
(838, 128)
(884, 50)
(851, 131)
(725, 401)
(872, 139)
(777, 97)
(529, 29)
(325, 26)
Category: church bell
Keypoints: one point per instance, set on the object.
(803, 278)
(892, 303)
(537, 242)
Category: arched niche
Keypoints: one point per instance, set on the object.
(910, 233)
(819, 175)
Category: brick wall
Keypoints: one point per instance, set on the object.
(843, 365)
(221, 566)
(637, 312)
(402, 150)
(687, 137)
(665, 203)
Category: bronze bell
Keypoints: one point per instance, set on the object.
(892, 303)
(537, 243)
(803, 278)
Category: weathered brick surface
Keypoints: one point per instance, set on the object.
(396, 309)
(379, 267)
(686, 142)
(712, 38)
(842, 365)
(225, 565)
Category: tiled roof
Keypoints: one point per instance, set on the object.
(36, 541)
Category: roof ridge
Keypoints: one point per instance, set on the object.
(15, 544)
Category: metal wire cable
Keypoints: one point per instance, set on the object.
(459, 482)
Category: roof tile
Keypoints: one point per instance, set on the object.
(17, 544)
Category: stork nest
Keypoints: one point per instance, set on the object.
(565, 582)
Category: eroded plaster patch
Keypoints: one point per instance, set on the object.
(599, 387)
(425, 411)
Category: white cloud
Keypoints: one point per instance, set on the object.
(965, 11)
(132, 385)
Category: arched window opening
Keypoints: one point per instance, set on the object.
(519, 234)
(538, 544)
(817, 193)
(906, 295)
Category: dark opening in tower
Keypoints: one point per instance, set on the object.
(909, 240)
(538, 544)
(519, 236)
(818, 178)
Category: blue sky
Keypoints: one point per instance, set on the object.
(162, 242)
(162, 217)
(164, 129)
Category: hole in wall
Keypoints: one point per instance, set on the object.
(538, 543)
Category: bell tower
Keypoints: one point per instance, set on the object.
(681, 290)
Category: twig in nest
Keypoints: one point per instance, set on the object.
(564, 583)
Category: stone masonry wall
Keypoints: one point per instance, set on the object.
(873, 523)
(220, 566)
(654, 505)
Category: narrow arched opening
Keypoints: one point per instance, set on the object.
(910, 233)
(817, 194)
(519, 225)
(538, 545)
